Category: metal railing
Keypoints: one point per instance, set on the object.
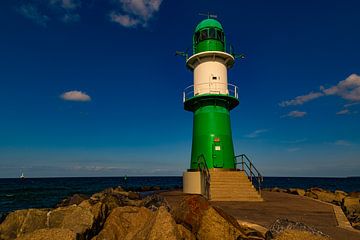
(205, 174)
(250, 170)
(213, 88)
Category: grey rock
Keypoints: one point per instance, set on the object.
(280, 225)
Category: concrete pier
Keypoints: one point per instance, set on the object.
(282, 205)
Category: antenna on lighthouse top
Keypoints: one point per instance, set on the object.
(208, 14)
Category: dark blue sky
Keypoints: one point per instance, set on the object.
(299, 86)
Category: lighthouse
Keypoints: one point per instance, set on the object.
(210, 98)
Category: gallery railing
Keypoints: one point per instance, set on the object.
(212, 88)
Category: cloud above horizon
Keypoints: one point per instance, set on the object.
(256, 133)
(343, 143)
(77, 96)
(348, 89)
(135, 13)
(295, 114)
(343, 112)
(41, 12)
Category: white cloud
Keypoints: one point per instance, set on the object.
(343, 112)
(75, 96)
(256, 133)
(351, 104)
(299, 100)
(293, 149)
(41, 12)
(135, 12)
(295, 141)
(343, 143)
(348, 89)
(31, 12)
(124, 20)
(295, 114)
(69, 17)
(69, 4)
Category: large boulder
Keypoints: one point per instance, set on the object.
(22, 222)
(322, 195)
(207, 222)
(355, 220)
(160, 227)
(185, 233)
(99, 212)
(354, 194)
(112, 200)
(214, 226)
(298, 235)
(297, 191)
(74, 199)
(339, 196)
(124, 223)
(84, 220)
(47, 234)
(116, 197)
(154, 202)
(282, 227)
(351, 205)
(276, 189)
(190, 211)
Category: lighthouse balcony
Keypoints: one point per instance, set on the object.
(206, 89)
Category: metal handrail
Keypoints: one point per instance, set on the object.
(250, 170)
(232, 90)
(202, 166)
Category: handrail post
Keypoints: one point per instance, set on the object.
(251, 172)
(242, 163)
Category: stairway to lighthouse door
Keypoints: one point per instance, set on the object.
(217, 154)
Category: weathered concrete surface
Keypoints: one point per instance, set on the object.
(280, 205)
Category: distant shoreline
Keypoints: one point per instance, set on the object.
(169, 176)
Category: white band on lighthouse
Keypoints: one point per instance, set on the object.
(210, 72)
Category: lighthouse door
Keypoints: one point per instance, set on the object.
(217, 155)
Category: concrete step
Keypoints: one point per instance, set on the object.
(232, 186)
(239, 189)
(229, 180)
(235, 179)
(234, 196)
(235, 191)
(237, 200)
(224, 185)
(230, 183)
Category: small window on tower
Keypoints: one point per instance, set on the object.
(218, 34)
(212, 33)
(214, 77)
(197, 35)
(203, 34)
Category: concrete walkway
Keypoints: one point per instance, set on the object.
(282, 205)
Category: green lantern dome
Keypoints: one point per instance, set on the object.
(206, 23)
(209, 36)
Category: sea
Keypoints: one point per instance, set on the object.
(47, 192)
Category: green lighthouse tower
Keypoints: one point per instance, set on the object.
(210, 98)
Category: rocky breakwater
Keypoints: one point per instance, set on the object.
(116, 214)
(349, 202)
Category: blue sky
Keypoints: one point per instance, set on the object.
(92, 88)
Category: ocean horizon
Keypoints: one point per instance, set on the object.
(16, 193)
